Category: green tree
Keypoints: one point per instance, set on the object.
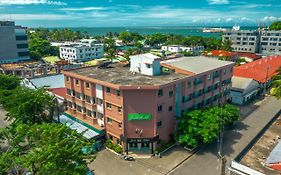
(202, 126)
(275, 25)
(26, 105)
(276, 84)
(7, 84)
(226, 45)
(110, 47)
(155, 40)
(44, 149)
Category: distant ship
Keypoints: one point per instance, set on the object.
(213, 30)
(236, 27)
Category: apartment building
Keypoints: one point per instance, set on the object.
(270, 43)
(13, 43)
(255, 41)
(243, 40)
(84, 50)
(137, 104)
(196, 50)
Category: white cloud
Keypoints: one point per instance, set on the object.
(218, 1)
(228, 19)
(83, 9)
(271, 18)
(29, 2)
(22, 17)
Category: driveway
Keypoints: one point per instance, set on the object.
(108, 163)
(205, 161)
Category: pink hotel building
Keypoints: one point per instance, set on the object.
(137, 104)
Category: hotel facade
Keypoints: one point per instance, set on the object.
(137, 105)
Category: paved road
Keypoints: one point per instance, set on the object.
(205, 161)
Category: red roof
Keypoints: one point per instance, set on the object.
(248, 55)
(220, 53)
(61, 92)
(260, 70)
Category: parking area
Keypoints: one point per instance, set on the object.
(110, 163)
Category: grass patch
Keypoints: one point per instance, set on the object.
(51, 59)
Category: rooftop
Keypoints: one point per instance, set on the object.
(242, 83)
(146, 55)
(55, 81)
(120, 75)
(174, 69)
(196, 65)
(260, 70)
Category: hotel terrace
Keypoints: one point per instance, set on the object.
(137, 104)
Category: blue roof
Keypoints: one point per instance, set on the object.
(54, 81)
(275, 155)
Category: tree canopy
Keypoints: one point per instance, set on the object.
(202, 126)
(44, 149)
(276, 84)
(26, 105)
(275, 25)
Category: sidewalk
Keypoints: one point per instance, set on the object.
(236, 139)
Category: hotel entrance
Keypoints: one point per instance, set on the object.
(141, 145)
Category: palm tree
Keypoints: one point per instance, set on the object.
(276, 85)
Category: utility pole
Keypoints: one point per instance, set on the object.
(220, 139)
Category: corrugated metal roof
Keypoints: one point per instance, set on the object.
(260, 70)
(275, 155)
(55, 81)
(89, 133)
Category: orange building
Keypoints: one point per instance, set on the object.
(137, 105)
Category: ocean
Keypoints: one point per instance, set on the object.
(186, 31)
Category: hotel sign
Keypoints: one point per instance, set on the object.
(139, 116)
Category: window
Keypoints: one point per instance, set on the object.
(89, 113)
(68, 91)
(148, 66)
(99, 101)
(20, 38)
(159, 124)
(171, 93)
(160, 93)
(93, 100)
(88, 99)
(159, 108)
(108, 105)
(224, 71)
(109, 120)
(107, 90)
(67, 78)
(119, 109)
(189, 84)
(78, 95)
(118, 93)
(76, 82)
(209, 76)
(120, 125)
(22, 46)
(170, 108)
(22, 54)
(87, 85)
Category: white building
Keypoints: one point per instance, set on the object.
(196, 50)
(147, 64)
(243, 90)
(85, 50)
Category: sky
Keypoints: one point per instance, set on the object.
(124, 13)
